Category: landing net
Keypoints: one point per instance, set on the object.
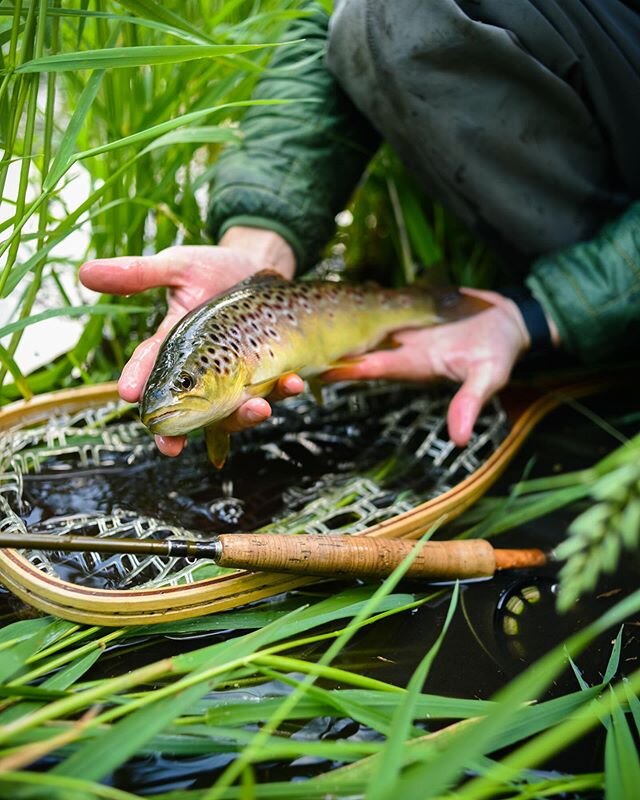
(370, 453)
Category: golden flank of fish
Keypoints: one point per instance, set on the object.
(238, 344)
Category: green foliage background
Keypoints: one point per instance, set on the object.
(140, 95)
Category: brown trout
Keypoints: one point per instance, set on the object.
(236, 346)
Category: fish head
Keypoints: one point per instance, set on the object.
(187, 389)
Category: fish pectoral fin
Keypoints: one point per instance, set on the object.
(315, 387)
(346, 361)
(263, 388)
(218, 445)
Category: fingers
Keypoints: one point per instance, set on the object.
(130, 274)
(405, 363)
(257, 409)
(171, 445)
(482, 381)
(287, 386)
(248, 415)
(136, 371)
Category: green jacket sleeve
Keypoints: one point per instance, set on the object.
(592, 290)
(296, 164)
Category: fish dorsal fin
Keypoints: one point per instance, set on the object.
(263, 276)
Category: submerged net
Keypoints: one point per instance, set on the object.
(368, 454)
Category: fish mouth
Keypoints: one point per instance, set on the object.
(177, 421)
(158, 417)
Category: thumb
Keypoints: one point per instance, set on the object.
(482, 381)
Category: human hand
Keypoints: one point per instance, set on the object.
(193, 274)
(478, 352)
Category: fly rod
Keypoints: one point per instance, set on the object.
(309, 554)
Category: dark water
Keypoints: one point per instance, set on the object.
(503, 625)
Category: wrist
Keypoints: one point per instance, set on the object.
(266, 249)
(541, 333)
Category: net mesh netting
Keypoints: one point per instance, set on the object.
(366, 455)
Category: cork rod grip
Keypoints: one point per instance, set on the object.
(355, 556)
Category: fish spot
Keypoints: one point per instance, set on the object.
(273, 334)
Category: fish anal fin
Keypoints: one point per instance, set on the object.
(218, 445)
(315, 387)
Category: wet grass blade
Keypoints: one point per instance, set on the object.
(15, 656)
(74, 311)
(621, 763)
(59, 164)
(390, 763)
(9, 363)
(525, 509)
(206, 134)
(170, 125)
(149, 10)
(141, 56)
(432, 706)
(37, 786)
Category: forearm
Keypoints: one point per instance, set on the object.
(297, 161)
(591, 290)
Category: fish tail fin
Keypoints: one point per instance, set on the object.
(452, 304)
(449, 302)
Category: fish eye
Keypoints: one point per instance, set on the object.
(184, 381)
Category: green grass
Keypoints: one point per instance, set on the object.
(142, 97)
(166, 706)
